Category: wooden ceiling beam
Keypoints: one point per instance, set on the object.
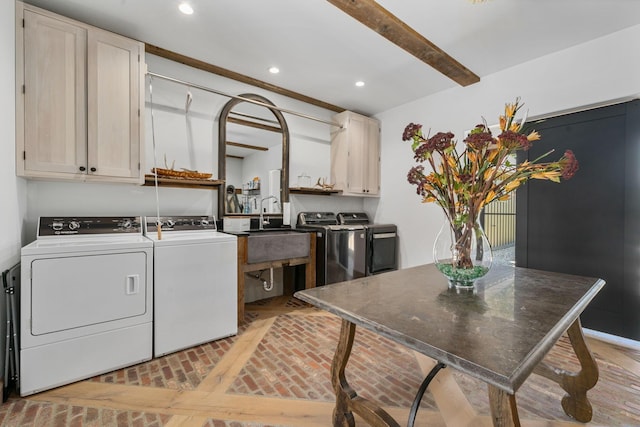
(205, 66)
(383, 22)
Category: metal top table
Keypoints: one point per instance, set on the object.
(498, 334)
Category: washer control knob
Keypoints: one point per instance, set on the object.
(170, 223)
(204, 222)
(126, 223)
(57, 225)
(74, 225)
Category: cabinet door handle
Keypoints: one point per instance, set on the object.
(82, 169)
(93, 169)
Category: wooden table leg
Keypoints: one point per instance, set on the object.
(504, 411)
(342, 416)
(575, 402)
(347, 400)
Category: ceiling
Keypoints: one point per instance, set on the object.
(321, 51)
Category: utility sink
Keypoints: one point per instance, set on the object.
(274, 245)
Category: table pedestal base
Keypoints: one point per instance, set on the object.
(503, 405)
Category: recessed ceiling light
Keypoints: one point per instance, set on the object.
(274, 70)
(185, 8)
(359, 83)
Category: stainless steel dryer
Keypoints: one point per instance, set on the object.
(340, 249)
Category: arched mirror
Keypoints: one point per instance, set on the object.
(253, 158)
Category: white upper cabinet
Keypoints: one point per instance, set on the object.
(55, 125)
(114, 105)
(355, 155)
(79, 98)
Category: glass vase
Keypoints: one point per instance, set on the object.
(462, 253)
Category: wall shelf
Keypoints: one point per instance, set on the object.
(314, 191)
(205, 184)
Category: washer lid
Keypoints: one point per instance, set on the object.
(353, 218)
(317, 218)
(189, 237)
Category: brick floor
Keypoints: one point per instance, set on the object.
(183, 370)
(22, 412)
(292, 361)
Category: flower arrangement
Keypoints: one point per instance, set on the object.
(462, 183)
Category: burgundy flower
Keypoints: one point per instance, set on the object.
(511, 139)
(416, 177)
(421, 153)
(410, 131)
(440, 141)
(465, 178)
(479, 140)
(569, 165)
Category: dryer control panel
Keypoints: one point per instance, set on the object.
(82, 225)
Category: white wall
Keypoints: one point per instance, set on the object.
(12, 189)
(595, 72)
(188, 142)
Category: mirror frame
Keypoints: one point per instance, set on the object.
(222, 152)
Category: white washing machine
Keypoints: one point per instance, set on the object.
(195, 282)
(86, 300)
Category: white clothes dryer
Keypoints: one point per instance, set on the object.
(195, 282)
(86, 300)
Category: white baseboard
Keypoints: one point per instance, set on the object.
(612, 339)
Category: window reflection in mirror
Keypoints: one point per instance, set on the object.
(254, 159)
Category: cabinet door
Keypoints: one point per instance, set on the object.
(372, 158)
(364, 156)
(54, 96)
(113, 90)
(356, 163)
(355, 155)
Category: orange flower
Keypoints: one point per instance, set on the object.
(511, 186)
(533, 136)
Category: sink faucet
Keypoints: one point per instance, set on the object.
(261, 227)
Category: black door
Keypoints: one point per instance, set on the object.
(589, 225)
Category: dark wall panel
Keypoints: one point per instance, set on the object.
(589, 225)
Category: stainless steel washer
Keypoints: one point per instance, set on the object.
(340, 249)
